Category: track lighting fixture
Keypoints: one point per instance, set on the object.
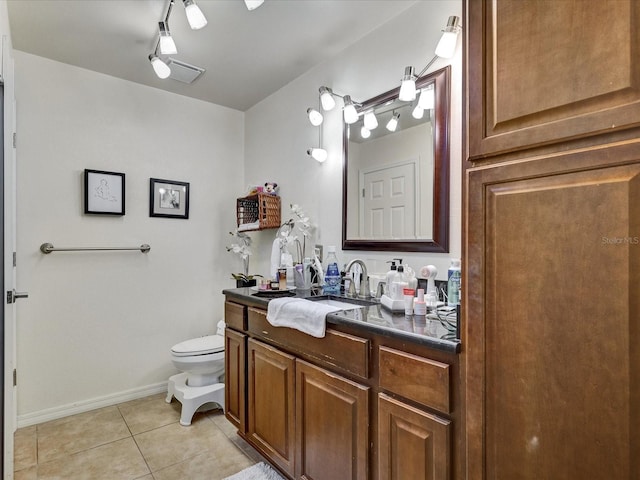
(418, 112)
(326, 98)
(365, 132)
(408, 86)
(195, 17)
(427, 98)
(253, 4)
(393, 123)
(167, 45)
(445, 49)
(350, 113)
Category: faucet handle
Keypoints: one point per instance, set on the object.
(365, 289)
(380, 289)
(352, 288)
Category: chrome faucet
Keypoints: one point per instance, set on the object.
(364, 280)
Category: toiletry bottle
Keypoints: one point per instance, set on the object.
(389, 279)
(419, 305)
(332, 273)
(399, 284)
(453, 284)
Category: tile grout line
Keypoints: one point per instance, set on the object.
(133, 437)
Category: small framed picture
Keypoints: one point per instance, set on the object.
(168, 198)
(103, 192)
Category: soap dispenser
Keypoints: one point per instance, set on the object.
(390, 277)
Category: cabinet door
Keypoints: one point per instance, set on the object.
(552, 333)
(332, 427)
(412, 444)
(235, 378)
(271, 413)
(542, 72)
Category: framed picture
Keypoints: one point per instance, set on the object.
(103, 192)
(168, 199)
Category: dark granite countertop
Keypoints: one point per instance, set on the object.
(432, 333)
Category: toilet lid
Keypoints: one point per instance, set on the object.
(199, 346)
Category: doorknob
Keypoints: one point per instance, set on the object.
(12, 296)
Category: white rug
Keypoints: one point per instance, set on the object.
(259, 471)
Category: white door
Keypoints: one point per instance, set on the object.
(389, 202)
(9, 240)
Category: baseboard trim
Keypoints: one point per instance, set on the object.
(54, 413)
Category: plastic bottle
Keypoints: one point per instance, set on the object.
(390, 278)
(453, 283)
(332, 272)
(419, 305)
(399, 284)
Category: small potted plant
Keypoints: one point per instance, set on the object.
(242, 248)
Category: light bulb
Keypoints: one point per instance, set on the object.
(393, 123)
(319, 154)
(408, 86)
(315, 117)
(427, 98)
(447, 45)
(365, 132)
(350, 113)
(370, 120)
(195, 17)
(326, 99)
(162, 69)
(253, 4)
(167, 45)
(418, 112)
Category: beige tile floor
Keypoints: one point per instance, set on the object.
(141, 439)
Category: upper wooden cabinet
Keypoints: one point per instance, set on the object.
(543, 72)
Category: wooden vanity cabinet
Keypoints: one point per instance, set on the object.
(349, 406)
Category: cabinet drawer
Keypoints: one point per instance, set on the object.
(416, 378)
(340, 350)
(235, 316)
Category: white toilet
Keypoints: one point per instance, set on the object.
(202, 362)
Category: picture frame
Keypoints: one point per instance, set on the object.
(104, 192)
(168, 198)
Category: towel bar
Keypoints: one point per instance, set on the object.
(48, 248)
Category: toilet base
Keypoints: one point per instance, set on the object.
(193, 398)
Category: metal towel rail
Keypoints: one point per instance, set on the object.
(48, 248)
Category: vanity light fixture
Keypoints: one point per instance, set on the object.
(370, 120)
(315, 117)
(253, 4)
(365, 132)
(350, 113)
(407, 86)
(319, 154)
(445, 49)
(195, 17)
(393, 123)
(167, 45)
(159, 66)
(326, 98)
(418, 112)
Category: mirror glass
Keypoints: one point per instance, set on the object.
(396, 183)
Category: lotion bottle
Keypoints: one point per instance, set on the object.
(419, 305)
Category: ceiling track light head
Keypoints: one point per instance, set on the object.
(195, 17)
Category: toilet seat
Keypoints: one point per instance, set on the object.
(199, 346)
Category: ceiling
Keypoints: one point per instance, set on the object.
(248, 55)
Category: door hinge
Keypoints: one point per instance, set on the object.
(15, 139)
(9, 297)
(15, 377)
(363, 193)
(15, 261)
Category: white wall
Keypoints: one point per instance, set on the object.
(278, 133)
(99, 326)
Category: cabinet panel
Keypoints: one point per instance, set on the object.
(235, 316)
(413, 445)
(271, 403)
(341, 350)
(416, 378)
(332, 425)
(541, 72)
(552, 336)
(235, 378)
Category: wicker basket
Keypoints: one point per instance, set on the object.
(257, 212)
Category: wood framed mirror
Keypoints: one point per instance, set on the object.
(395, 194)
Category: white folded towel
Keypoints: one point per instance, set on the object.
(304, 315)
